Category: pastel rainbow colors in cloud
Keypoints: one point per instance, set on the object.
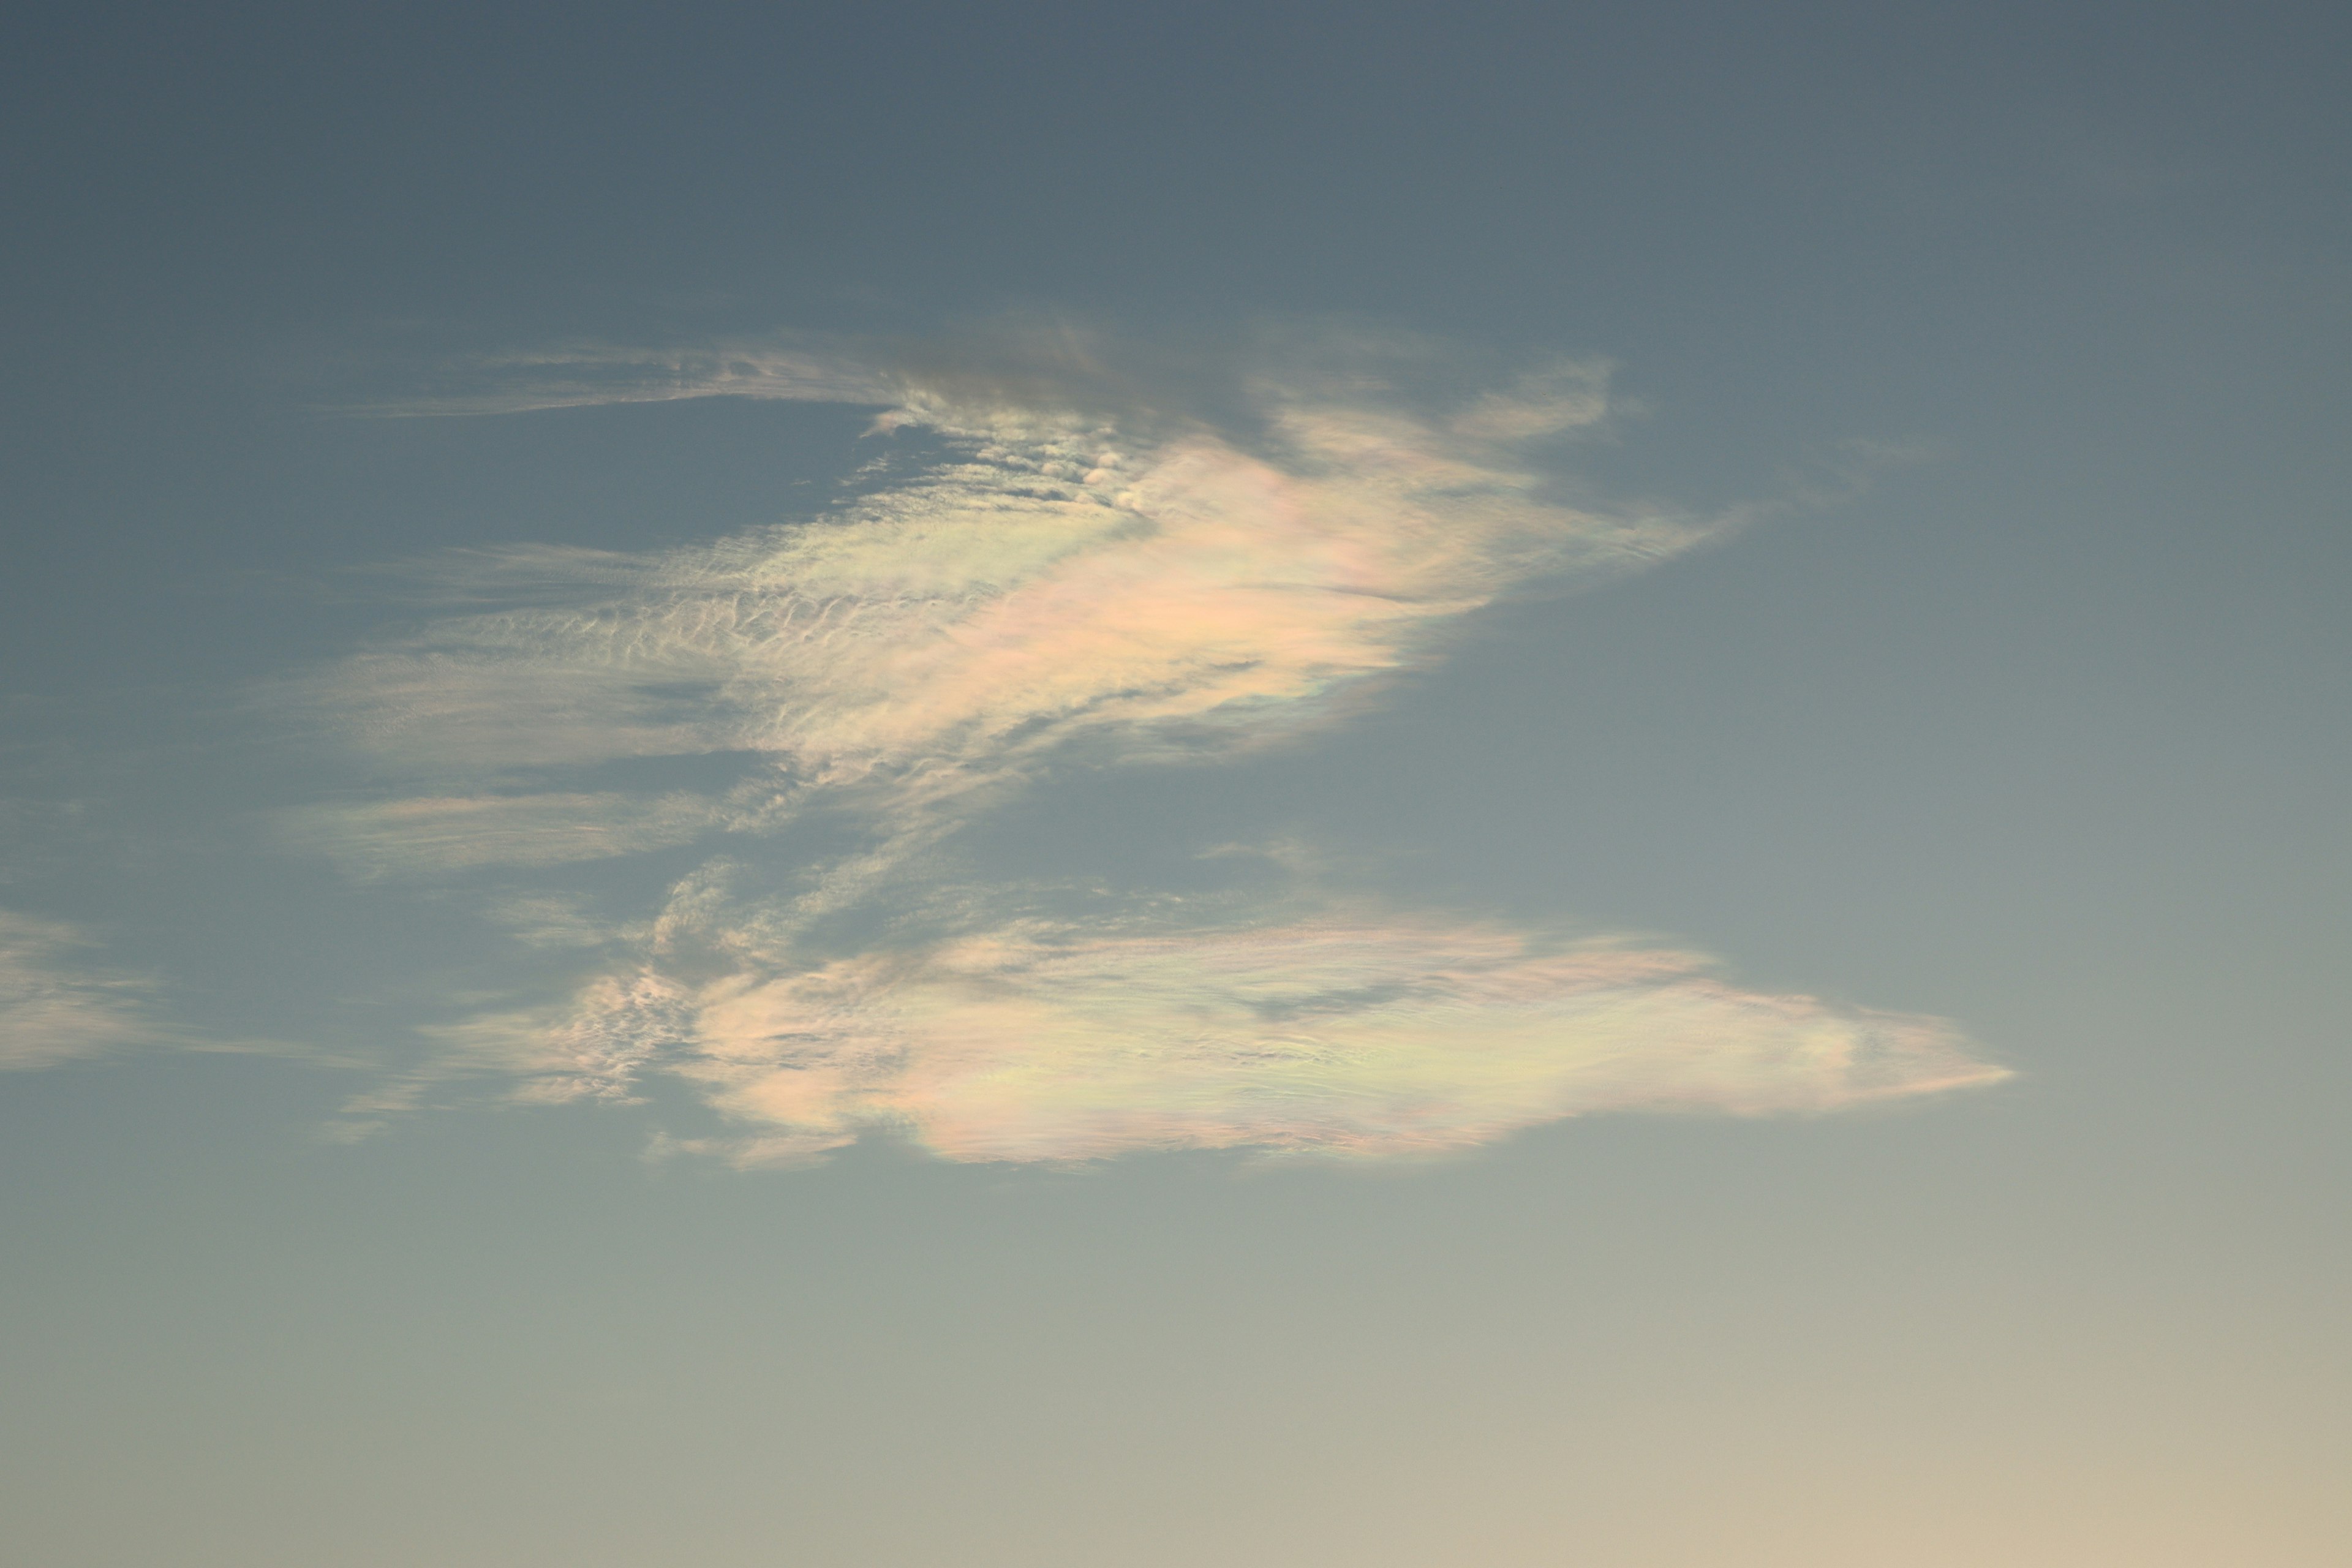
(1333, 1037)
(1049, 584)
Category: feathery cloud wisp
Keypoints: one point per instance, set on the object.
(582, 375)
(453, 832)
(53, 1009)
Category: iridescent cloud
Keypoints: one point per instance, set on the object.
(1047, 579)
(1357, 1036)
(1036, 581)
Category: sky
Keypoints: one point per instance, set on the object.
(1267, 785)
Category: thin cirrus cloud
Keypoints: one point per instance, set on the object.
(1056, 575)
(377, 838)
(582, 375)
(61, 1001)
(54, 1006)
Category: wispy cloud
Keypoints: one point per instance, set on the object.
(586, 374)
(60, 1001)
(55, 1006)
(1047, 579)
(452, 833)
(597, 1048)
(1049, 571)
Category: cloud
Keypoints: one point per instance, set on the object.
(588, 375)
(54, 1009)
(552, 920)
(1045, 579)
(1358, 1035)
(445, 834)
(56, 1006)
(1042, 566)
(599, 1048)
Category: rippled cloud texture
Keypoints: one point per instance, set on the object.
(1038, 582)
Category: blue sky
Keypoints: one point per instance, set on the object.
(1277, 785)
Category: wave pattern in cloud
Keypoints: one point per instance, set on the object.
(1049, 581)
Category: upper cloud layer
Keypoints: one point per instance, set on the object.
(1048, 578)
